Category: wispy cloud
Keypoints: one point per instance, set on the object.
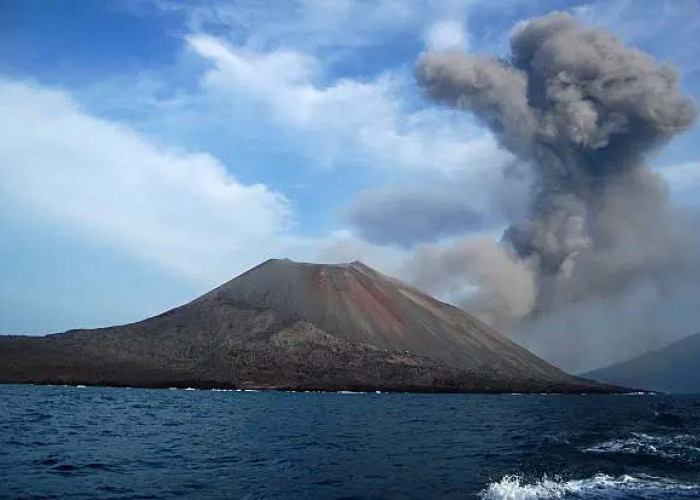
(370, 122)
(314, 25)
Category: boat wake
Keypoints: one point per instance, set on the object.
(680, 447)
(600, 486)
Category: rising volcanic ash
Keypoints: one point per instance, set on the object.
(582, 111)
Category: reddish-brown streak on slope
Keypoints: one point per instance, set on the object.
(371, 300)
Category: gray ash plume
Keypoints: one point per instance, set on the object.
(583, 111)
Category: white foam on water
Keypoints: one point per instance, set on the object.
(80, 387)
(190, 389)
(600, 486)
(675, 447)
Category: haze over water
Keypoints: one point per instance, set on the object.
(133, 443)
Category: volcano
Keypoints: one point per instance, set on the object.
(294, 326)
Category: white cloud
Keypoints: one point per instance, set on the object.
(366, 121)
(447, 35)
(102, 180)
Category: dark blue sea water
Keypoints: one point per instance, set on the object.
(131, 443)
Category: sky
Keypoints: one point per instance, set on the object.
(151, 150)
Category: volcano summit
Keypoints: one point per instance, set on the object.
(294, 326)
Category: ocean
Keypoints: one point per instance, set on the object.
(75, 442)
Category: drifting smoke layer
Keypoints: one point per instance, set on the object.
(583, 111)
(508, 287)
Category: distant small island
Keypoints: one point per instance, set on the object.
(673, 368)
(295, 326)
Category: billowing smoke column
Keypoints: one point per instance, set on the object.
(582, 110)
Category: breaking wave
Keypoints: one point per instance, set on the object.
(600, 486)
(680, 447)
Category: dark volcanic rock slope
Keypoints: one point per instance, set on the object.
(289, 325)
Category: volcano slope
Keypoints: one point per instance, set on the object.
(294, 326)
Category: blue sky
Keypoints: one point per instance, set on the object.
(150, 150)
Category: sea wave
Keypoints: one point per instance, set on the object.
(679, 447)
(600, 486)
